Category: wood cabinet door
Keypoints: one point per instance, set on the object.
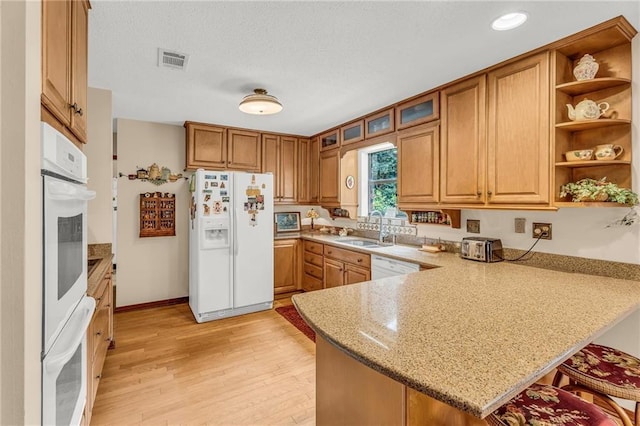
(270, 161)
(518, 169)
(314, 170)
(206, 146)
(463, 142)
(243, 152)
(79, 47)
(285, 254)
(330, 178)
(354, 274)
(56, 58)
(303, 170)
(288, 170)
(418, 165)
(333, 273)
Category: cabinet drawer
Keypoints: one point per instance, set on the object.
(313, 270)
(100, 332)
(312, 258)
(360, 259)
(310, 283)
(313, 247)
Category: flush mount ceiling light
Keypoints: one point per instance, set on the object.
(260, 103)
(509, 21)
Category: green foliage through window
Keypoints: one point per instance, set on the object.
(383, 173)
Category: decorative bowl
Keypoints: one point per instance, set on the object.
(579, 155)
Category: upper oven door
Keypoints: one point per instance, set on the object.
(65, 252)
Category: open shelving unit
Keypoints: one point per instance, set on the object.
(610, 45)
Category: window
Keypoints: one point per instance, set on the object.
(379, 170)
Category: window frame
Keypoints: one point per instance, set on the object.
(363, 172)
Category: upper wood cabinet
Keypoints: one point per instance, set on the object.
(243, 150)
(279, 156)
(417, 111)
(218, 148)
(463, 142)
(330, 140)
(308, 171)
(418, 166)
(379, 123)
(206, 146)
(610, 45)
(518, 132)
(330, 178)
(64, 64)
(352, 132)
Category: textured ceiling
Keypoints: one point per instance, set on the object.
(327, 62)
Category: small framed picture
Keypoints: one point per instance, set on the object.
(287, 222)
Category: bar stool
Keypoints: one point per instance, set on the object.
(604, 372)
(548, 405)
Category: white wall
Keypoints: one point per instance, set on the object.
(99, 152)
(153, 268)
(20, 213)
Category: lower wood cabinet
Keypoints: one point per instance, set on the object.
(285, 254)
(345, 266)
(99, 338)
(313, 273)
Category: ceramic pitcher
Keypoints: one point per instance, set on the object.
(608, 151)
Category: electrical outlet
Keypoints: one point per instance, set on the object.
(543, 229)
(519, 225)
(473, 226)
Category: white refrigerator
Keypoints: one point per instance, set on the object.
(230, 244)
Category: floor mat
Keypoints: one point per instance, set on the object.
(291, 314)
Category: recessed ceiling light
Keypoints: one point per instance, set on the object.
(509, 21)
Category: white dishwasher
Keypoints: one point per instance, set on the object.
(382, 267)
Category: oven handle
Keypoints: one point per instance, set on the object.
(71, 335)
(58, 190)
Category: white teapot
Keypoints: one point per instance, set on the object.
(587, 110)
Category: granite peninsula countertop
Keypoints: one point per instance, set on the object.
(470, 334)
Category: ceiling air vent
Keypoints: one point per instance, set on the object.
(172, 59)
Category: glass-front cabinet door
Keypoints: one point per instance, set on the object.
(330, 140)
(417, 111)
(352, 132)
(379, 124)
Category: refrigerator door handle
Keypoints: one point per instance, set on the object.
(236, 243)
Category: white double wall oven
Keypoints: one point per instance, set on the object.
(67, 310)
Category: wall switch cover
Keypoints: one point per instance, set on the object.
(473, 226)
(519, 225)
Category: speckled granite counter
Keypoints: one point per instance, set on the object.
(470, 334)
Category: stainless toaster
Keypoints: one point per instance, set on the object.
(481, 249)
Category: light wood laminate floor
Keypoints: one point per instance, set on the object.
(255, 369)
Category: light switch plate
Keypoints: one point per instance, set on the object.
(473, 226)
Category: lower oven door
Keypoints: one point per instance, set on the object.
(64, 370)
(65, 252)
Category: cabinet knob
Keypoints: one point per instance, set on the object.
(489, 193)
(99, 376)
(329, 252)
(478, 193)
(99, 333)
(359, 260)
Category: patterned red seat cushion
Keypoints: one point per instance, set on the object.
(542, 405)
(606, 370)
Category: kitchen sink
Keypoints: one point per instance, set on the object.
(363, 243)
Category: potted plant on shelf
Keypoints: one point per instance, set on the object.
(586, 190)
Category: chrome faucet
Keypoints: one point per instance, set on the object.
(381, 234)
